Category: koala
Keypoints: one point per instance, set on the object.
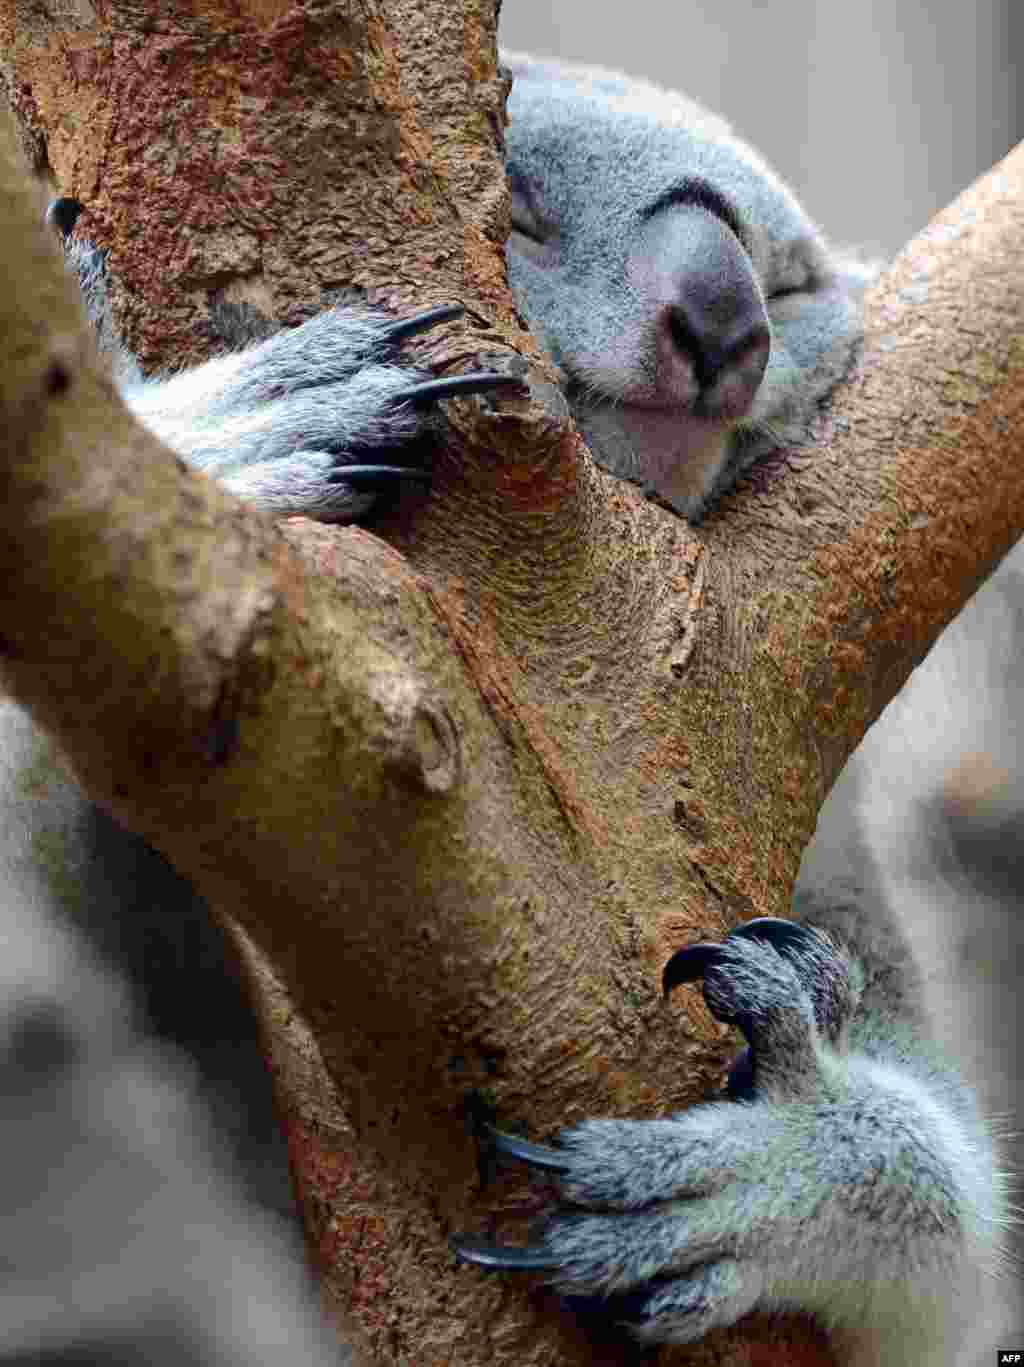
(695, 310)
(699, 319)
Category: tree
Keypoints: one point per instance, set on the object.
(458, 788)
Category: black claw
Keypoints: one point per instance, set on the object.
(502, 1257)
(452, 386)
(63, 213)
(396, 333)
(692, 962)
(536, 1156)
(376, 478)
(688, 964)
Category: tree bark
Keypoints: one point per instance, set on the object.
(462, 790)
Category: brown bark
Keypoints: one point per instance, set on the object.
(261, 154)
(464, 792)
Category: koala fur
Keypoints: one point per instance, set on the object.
(651, 248)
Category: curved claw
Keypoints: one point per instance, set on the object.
(692, 962)
(537, 1156)
(376, 478)
(452, 386)
(396, 333)
(695, 961)
(63, 213)
(688, 964)
(502, 1257)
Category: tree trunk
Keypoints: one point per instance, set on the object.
(460, 791)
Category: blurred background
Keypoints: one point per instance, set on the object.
(877, 113)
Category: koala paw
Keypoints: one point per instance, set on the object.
(320, 420)
(684, 1224)
(310, 421)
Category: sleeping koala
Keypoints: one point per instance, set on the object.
(695, 310)
(698, 318)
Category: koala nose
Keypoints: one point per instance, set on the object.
(720, 336)
(712, 337)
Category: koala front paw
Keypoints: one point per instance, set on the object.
(321, 419)
(311, 420)
(649, 1231)
(682, 1225)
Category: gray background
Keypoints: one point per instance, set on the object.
(877, 113)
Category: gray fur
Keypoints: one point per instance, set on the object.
(590, 153)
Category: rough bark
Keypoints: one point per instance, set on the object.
(462, 790)
(254, 156)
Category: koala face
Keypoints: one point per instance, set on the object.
(689, 300)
